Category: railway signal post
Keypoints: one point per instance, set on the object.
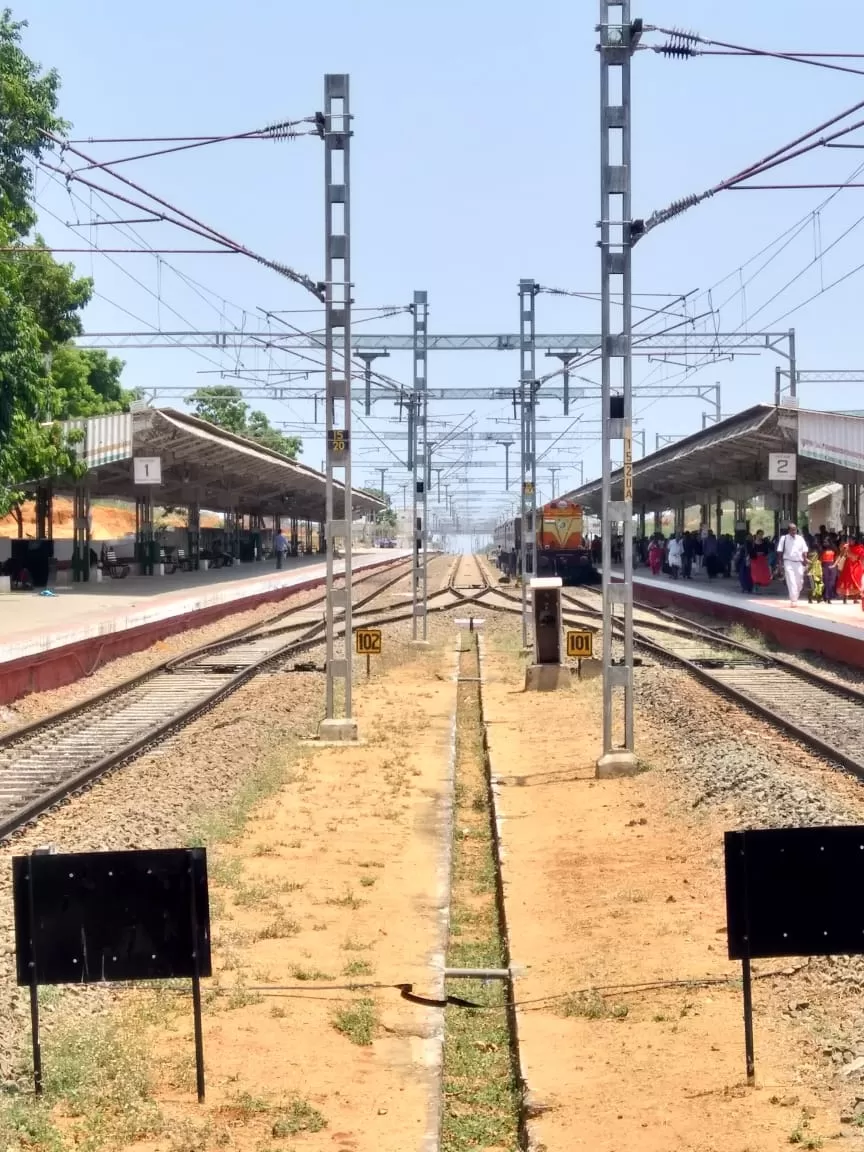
(337, 402)
(618, 39)
(528, 457)
(420, 465)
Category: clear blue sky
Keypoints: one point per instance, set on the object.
(475, 163)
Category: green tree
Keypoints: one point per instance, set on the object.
(224, 406)
(379, 494)
(86, 382)
(42, 377)
(54, 293)
(28, 107)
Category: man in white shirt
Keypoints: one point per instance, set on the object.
(792, 552)
(675, 555)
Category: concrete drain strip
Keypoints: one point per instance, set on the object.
(527, 1137)
(481, 937)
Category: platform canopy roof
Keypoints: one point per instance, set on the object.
(202, 463)
(730, 460)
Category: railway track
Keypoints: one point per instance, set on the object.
(43, 762)
(825, 714)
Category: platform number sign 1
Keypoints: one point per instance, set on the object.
(580, 643)
(367, 642)
(147, 469)
(782, 465)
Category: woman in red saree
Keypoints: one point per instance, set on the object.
(655, 557)
(850, 565)
(760, 571)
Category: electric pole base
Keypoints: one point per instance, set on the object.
(614, 765)
(421, 645)
(338, 732)
(547, 678)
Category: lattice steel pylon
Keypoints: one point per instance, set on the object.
(337, 400)
(528, 289)
(421, 467)
(618, 39)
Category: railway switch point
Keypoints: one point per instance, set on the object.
(618, 764)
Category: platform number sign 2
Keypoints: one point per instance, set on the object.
(782, 465)
(367, 642)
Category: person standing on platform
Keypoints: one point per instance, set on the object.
(849, 571)
(688, 555)
(280, 547)
(815, 586)
(792, 552)
(710, 557)
(742, 565)
(675, 555)
(655, 557)
(760, 570)
(829, 571)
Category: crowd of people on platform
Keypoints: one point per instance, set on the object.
(825, 565)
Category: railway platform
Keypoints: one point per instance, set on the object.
(835, 630)
(50, 641)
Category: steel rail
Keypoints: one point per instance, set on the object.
(84, 720)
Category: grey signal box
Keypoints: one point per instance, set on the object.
(546, 598)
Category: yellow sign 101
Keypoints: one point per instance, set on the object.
(580, 643)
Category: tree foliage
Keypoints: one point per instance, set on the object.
(224, 406)
(28, 107)
(42, 376)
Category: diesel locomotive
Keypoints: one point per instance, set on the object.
(561, 546)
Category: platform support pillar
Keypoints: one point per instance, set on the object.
(80, 534)
(719, 513)
(337, 133)
(618, 40)
(44, 513)
(642, 514)
(193, 535)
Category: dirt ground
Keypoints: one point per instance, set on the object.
(335, 885)
(109, 522)
(609, 893)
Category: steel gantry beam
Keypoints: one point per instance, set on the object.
(419, 454)
(618, 39)
(337, 346)
(528, 427)
(585, 343)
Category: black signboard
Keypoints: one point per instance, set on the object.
(787, 894)
(90, 917)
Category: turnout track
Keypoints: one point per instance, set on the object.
(43, 762)
(823, 713)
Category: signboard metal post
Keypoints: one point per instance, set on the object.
(337, 369)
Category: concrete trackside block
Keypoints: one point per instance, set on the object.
(338, 731)
(546, 678)
(615, 765)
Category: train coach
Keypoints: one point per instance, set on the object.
(562, 549)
